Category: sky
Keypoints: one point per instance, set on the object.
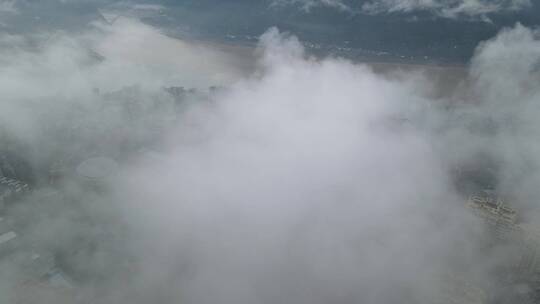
(288, 169)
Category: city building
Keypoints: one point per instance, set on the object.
(496, 213)
(11, 189)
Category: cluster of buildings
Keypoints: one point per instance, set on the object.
(501, 217)
(504, 225)
(10, 189)
(31, 269)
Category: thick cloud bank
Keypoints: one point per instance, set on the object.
(321, 181)
(440, 8)
(306, 181)
(304, 185)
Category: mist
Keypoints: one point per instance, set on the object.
(275, 177)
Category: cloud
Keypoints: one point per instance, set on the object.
(321, 181)
(307, 5)
(8, 6)
(47, 78)
(134, 10)
(447, 9)
(440, 8)
(306, 180)
(151, 7)
(65, 99)
(505, 73)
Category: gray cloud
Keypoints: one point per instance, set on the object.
(447, 9)
(307, 181)
(321, 181)
(440, 8)
(66, 99)
(307, 5)
(8, 6)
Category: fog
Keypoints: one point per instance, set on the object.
(279, 178)
(452, 9)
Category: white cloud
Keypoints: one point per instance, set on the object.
(307, 5)
(151, 7)
(310, 181)
(134, 44)
(323, 176)
(295, 181)
(440, 8)
(447, 8)
(64, 65)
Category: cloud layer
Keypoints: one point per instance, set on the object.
(7, 6)
(301, 186)
(306, 181)
(309, 4)
(321, 181)
(440, 8)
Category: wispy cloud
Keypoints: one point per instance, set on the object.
(307, 5)
(7, 6)
(446, 8)
(440, 8)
